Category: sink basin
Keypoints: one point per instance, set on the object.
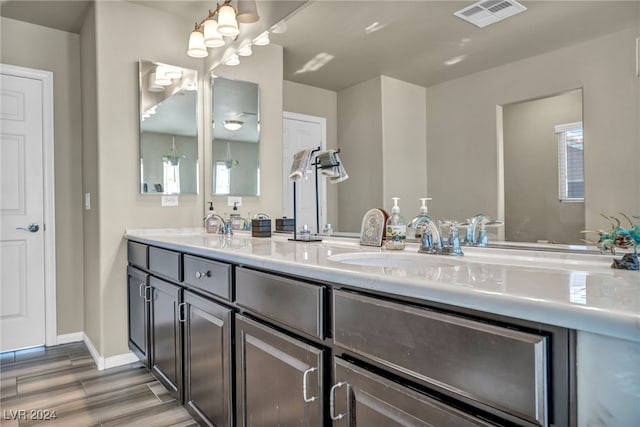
(392, 259)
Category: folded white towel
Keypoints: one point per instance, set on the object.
(342, 173)
(328, 163)
(301, 163)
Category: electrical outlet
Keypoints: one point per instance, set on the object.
(233, 200)
(169, 201)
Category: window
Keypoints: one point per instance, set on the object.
(570, 162)
(171, 178)
(223, 178)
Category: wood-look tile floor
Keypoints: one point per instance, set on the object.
(38, 383)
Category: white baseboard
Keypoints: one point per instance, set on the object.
(108, 362)
(72, 337)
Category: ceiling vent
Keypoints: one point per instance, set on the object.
(489, 12)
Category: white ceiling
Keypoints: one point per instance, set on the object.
(62, 15)
(415, 38)
(412, 42)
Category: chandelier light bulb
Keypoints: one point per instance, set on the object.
(245, 50)
(232, 60)
(197, 48)
(262, 39)
(212, 38)
(227, 24)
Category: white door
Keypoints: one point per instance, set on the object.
(301, 132)
(22, 278)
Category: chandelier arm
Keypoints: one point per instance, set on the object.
(214, 13)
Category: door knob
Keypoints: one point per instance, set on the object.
(31, 227)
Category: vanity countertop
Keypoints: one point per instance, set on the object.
(577, 291)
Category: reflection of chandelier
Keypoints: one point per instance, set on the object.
(228, 161)
(172, 156)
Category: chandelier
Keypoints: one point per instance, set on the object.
(220, 23)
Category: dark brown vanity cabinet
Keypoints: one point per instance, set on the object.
(165, 331)
(207, 360)
(278, 378)
(361, 398)
(138, 311)
(279, 375)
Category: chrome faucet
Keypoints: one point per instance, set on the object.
(431, 241)
(476, 234)
(453, 241)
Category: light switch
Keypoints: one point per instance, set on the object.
(233, 200)
(169, 200)
(87, 201)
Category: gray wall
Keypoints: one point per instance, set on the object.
(532, 207)
(42, 48)
(382, 135)
(360, 142)
(404, 135)
(120, 204)
(462, 125)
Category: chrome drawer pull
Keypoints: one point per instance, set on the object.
(200, 275)
(304, 386)
(332, 396)
(181, 318)
(148, 296)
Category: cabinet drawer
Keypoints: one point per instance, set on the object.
(207, 275)
(371, 400)
(290, 302)
(165, 263)
(498, 369)
(137, 254)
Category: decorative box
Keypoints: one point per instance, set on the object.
(261, 227)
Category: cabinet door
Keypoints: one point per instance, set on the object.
(362, 398)
(166, 335)
(138, 311)
(279, 378)
(207, 356)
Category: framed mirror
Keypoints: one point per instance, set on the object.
(168, 129)
(421, 91)
(236, 137)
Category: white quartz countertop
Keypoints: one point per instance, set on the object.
(577, 291)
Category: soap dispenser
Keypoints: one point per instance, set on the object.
(211, 223)
(396, 228)
(414, 231)
(235, 218)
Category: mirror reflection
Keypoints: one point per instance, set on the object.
(426, 105)
(236, 137)
(168, 129)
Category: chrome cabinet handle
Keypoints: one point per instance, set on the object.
(304, 386)
(332, 397)
(181, 318)
(200, 274)
(148, 296)
(31, 227)
(142, 284)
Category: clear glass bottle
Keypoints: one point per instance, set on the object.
(304, 233)
(211, 221)
(396, 228)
